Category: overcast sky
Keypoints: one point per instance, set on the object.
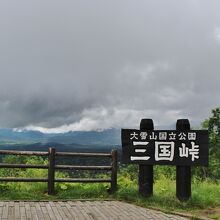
(87, 65)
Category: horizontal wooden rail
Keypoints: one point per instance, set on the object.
(40, 153)
(57, 167)
(52, 167)
(39, 166)
(69, 167)
(83, 180)
(71, 154)
(15, 179)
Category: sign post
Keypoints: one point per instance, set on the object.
(182, 148)
(183, 173)
(145, 176)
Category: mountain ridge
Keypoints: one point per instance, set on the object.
(105, 137)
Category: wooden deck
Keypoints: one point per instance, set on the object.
(79, 210)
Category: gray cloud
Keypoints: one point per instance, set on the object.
(78, 65)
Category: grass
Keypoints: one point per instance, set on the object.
(205, 195)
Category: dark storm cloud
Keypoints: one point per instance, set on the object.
(77, 65)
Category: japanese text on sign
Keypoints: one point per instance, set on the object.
(165, 147)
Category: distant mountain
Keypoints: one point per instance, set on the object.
(11, 136)
(105, 137)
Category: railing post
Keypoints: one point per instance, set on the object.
(51, 170)
(114, 171)
(183, 173)
(146, 172)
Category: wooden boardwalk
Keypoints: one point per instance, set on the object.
(79, 210)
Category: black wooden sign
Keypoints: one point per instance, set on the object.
(168, 147)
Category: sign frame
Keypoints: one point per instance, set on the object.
(190, 147)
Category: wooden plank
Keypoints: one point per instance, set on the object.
(51, 203)
(11, 214)
(39, 166)
(75, 209)
(34, 213)
(21, 203)
(84, 211)
(38, 211)
(44, 211)
(27, 210)
(143, 213)
(106, 209)
(93, 212)
(80, 210)
(115, 212)
(17, 210)
(71, 210)
(130, 209)
(119, 212)
(59, 209)
(66, 211)
(1, 210)
(55, 211)
(50, 211)
(22, 211)
(13, 179)
(69, 167)
(96, 208)
(42, 204)
(73, 154)
(11, 203)
(5, 211)
(83, 180)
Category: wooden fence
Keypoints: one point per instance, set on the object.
(52, 167)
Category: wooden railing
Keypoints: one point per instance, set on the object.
(52, 167)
